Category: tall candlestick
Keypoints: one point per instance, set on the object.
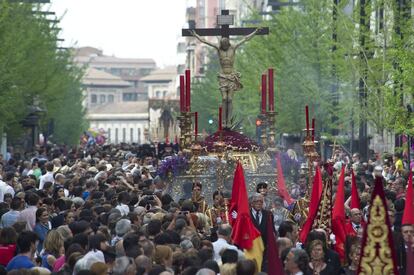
(220, 118)
(271, 91)
(187, 91)
(182, 93)
(307, 119)
(264, 93)
(313, 129)
(195, 125)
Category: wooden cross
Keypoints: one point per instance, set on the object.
(224, 21)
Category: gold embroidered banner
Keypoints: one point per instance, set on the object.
(377, 251)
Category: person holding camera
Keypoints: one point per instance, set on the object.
(181, 217)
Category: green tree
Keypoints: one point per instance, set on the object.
(33, 71)
(300, 49)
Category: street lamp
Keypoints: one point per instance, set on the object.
(31, 121)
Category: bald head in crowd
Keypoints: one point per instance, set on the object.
(224, 231)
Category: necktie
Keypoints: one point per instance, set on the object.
(258, 217)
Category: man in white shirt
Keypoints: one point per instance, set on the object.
(5, 189)
(222, 243)
(123, 199)
(48, 176)
(129, 162)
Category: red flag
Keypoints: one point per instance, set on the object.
(320, 183)
(244, 231)
(338, 216)
(281, 183)
(408, 216)
(275, 266)
(313, 205)
(245, 235)
(354, 193)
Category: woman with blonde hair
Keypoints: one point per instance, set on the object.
(317, 264)
(99, 268)
(203, 226)
(53, 249)
(228, 269)
(164, 256)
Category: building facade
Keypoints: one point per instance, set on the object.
(112, 100)
(130, 70)
(204, 15)
(163, 99)
(123, 122)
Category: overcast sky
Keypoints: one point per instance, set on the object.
(124, 28)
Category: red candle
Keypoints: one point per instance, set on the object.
(220, 118)
(167, 140)
(195, 125)
(313, 129)
(307, 119)
(264, 93)
(271, 91)
(182, 94)
(187, 91)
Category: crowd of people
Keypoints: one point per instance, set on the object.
(104, 210)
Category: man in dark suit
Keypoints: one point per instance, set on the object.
(260, 218)
(355, 225)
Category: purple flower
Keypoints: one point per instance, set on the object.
(175, 165)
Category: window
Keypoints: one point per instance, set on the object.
(139, 135)
(157, 94)
(144, 71)
(123, 135)
(142, 97)
(102, 99)
(131, 135)
(110, 98)
(116, 135)
(94, 99)
(129, 97)
(164, 94)
(115, 71)
(109, 135)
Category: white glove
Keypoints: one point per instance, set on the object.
(332, 238)
(234, 215)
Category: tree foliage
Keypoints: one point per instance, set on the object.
(34, 72)
(313, 69)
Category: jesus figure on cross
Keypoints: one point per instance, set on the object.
(229, 79)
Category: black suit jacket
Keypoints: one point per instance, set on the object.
(262, 227)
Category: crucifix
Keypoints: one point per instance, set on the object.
(229, 79)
